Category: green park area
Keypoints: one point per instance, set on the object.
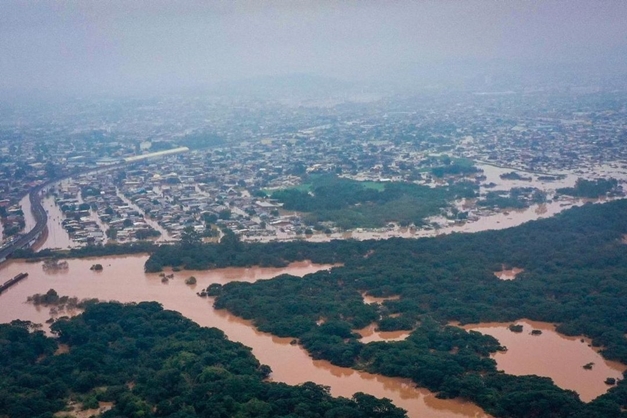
(353, 204)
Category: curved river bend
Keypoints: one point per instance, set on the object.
(124, 280)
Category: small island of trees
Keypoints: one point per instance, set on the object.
(515, 328)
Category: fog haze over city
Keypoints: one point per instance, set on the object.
(161, 46)
(371, 208)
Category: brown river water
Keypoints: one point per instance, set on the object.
(123, 279)
(553, 355)
(508, 274)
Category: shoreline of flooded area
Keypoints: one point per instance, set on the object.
(538, 349)
(371, 334)
(123, 279)
(493, 220)
(482, 218)
(508, 274)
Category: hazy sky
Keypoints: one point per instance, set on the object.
(115, 45)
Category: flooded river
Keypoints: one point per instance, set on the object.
(123, 279)
(553, 355)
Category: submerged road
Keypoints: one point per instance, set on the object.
(41, 220)
(39, 213)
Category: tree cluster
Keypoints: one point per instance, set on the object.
(575, 266)
(590, 189)
(88, 251)
(351, 204)
(152, 363)
(231, 252)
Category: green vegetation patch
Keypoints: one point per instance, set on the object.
(152, 363)
(351, 204)
(590, 189)
(108, 249)
(375, 185)
(192, 254)
(448, 166)
(575, 266)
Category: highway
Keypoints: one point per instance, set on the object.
(39, 213)
(41, 220)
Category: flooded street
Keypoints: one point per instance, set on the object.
(490, 220)
(57, 236)
(29, 219)
(553, 355)
(493, 175)
(378, 300)
(493, 221)
(123, 279)
(165, 235)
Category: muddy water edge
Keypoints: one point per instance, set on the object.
(124, 280)
(538, 349)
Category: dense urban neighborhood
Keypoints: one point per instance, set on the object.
(141, 170)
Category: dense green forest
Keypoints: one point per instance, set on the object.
(87, 251)
(590, 189)
(575, 266)
(233, 252)
(152, 363)
(352, 204)
(454, 167)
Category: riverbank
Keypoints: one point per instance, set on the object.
(123, 279)
(549, 353)
(572, 268)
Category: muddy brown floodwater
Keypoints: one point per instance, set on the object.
(508, 274)
(378, 300)
(57, 236)
(370, 334)
(553, 355)
(124, 280)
